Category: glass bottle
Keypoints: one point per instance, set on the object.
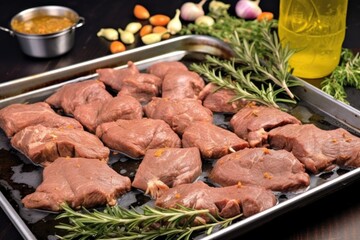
(315, 29)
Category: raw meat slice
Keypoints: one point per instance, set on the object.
(317, 149)
(16, 117)
(95, 113)
(179, 84)
(167, 167)
(129, 81)
(212, 141)
(134, 137)
(142, 86)
(79, 182)
(178, 113)
(274, 170)
(253, 122)
(72, 95)
(161, 68)
(220, 99)
(43, 145)
(115, 77)
(225, 201)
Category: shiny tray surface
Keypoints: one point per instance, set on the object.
(19, 177)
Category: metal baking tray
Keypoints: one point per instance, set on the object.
(19, 177)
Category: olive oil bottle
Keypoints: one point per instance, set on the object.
(315, 29)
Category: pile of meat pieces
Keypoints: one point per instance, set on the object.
(165, 118)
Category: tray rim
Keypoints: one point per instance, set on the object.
(305, 91)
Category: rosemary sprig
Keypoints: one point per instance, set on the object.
(225, 25)
(347, 74)
(147, 223)
(259, 71)
(274, 65)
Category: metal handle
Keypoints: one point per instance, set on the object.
(79, 23)
(7, 30)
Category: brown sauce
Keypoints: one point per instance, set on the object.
(42, 25)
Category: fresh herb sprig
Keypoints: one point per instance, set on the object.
(224, 27)
(146, 223)
(347, 74)
(259, 71)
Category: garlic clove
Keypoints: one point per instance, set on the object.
(152, 38)
(174, 26)
(133, 27)
(108, 33)
(126, 37)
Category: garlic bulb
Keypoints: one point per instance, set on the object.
(108, 33)
(248, 9)
(174, 26)
(191, 11)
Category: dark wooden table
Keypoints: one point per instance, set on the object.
(335, 217)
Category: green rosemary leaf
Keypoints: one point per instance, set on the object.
(347, 74)
(259, 58)
(145, 223)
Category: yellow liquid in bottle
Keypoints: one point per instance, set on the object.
(316, 31)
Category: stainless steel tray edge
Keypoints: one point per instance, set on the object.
(15, 219)
(192, 43)
(175, 48)
(311, 195)
(345, 114)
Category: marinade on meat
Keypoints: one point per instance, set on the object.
(79, 182)
(72, 95)
(135, 137)
(160, 69)
(179, 84)
(43, 145)
(276, 170)
(316, 148)
(16, 117)
(178, 113)
(167, 167)
(223, 201)
(121, 107)
(212, 141)
(253, 122)
(220, 99)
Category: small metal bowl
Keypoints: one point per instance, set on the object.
(46, 45)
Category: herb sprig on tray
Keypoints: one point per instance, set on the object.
(259, 71)
(146, 223)
(347, 74)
